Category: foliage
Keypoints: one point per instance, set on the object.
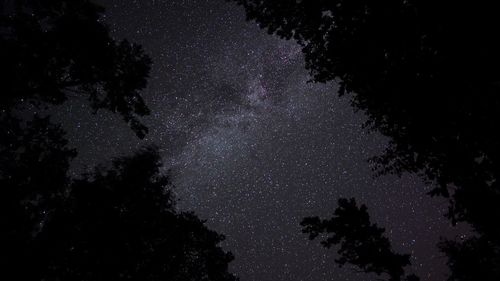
(52, 49)
(33, 168)
(426, 73)
(362, 243)
(117, 224)
(475, 258)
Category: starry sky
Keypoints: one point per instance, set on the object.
(252, 145)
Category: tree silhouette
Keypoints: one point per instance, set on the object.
(33, 180)
(120, 224)
(362, 243)
(476, 258)
(52, 49)
(117, 223)
(426, 74)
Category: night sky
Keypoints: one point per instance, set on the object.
(252, 147)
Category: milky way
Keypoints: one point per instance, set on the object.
(252, 146)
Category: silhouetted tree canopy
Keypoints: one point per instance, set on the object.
(426, 73)
(52, 49)
(476, 258)
(116, 223)
(33, 180)
(362, 243)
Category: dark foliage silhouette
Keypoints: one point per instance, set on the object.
(52, 49)
(362, 243)
(426, 74)
(121, 224)
(33, 178)
(117, 223)
(473, 259)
